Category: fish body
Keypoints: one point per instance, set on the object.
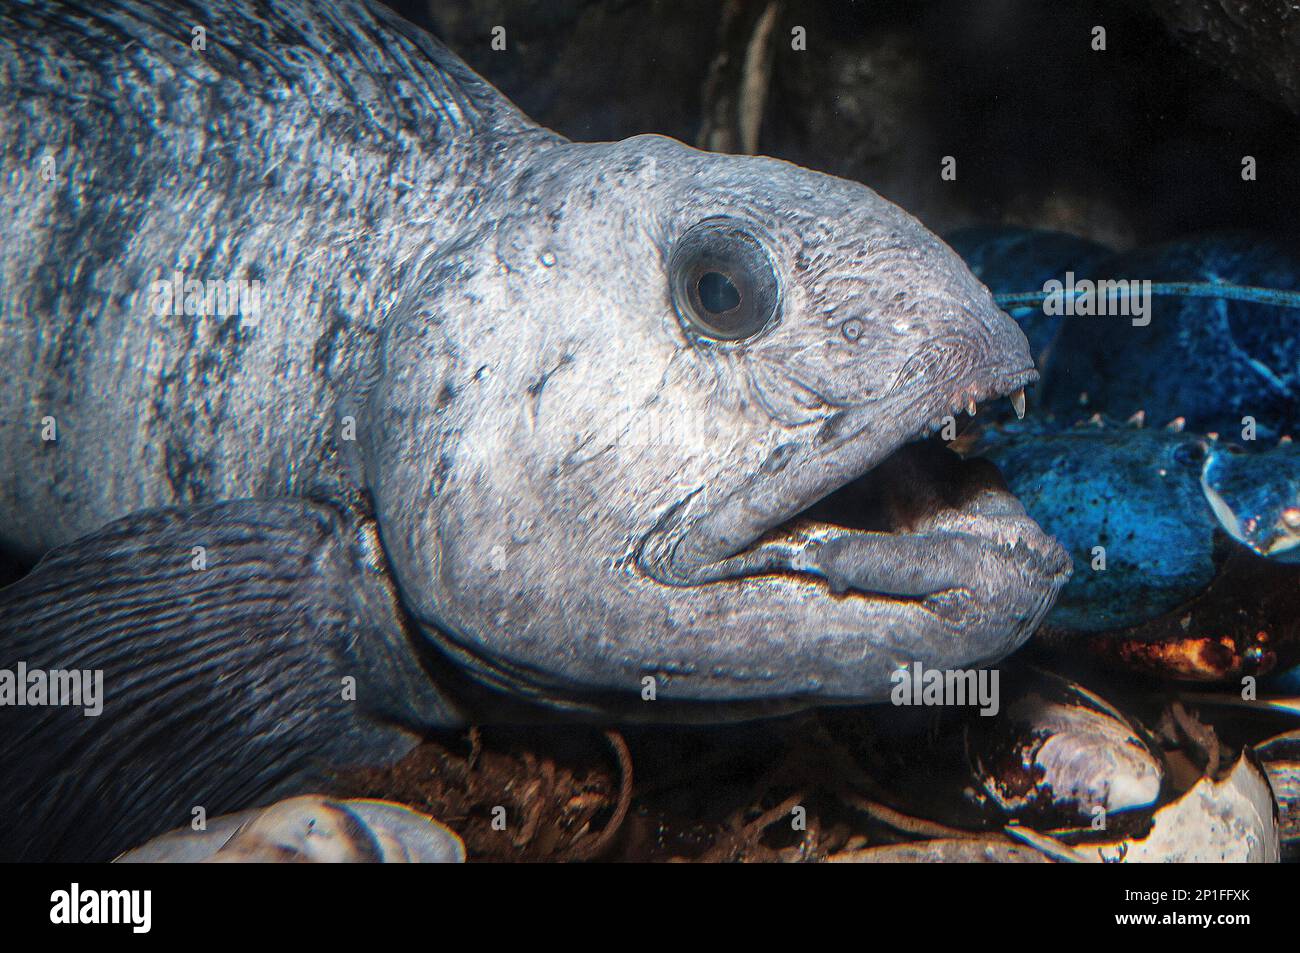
(496, 419)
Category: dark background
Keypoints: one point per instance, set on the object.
(1135, 144)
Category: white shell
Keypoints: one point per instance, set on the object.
(311, 829)
(1233, 820)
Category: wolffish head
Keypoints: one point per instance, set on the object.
(603, 407)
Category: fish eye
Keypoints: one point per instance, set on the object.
(722, 280)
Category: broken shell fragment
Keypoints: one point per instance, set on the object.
(309, 829)
(956, 850)
(1233, 820)
(1281, 759)
(1062, 756)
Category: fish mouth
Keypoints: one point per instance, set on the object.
(900, 519)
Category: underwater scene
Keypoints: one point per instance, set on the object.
(671, 431)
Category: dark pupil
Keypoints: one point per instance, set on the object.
(717, 293)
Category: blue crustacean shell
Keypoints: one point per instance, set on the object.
(1256, 497)
(1210, 360)
(1122, 498)
(1163, 505)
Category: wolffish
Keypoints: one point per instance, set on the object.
(493, 423)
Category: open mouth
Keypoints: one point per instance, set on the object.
(920, 525)
(922, 522)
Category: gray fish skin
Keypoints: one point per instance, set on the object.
(327, 176)
(563, 473)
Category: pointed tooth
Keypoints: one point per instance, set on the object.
(970, 406)
(1177, 424)
(1018, 403)
(1138, 420)
(1284, 440)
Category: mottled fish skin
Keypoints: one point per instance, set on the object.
(321, 150)
(560, 466)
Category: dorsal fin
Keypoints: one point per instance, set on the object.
(351, 62)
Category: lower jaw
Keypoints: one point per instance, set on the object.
(916, 502)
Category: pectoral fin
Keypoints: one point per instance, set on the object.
(244, 651)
